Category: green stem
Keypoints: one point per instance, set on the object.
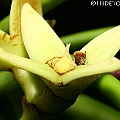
(109, 86)
(4, 24)
(31, 84)
(10, 97)
(30, 112)
(50, 4)
(87, 108)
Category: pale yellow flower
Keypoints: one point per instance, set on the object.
(50, 59)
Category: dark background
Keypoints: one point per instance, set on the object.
(76, 15)
(79, 15)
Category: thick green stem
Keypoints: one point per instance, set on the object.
(30, 112)
(50, 4)
(109, 86)
(87, 108)
(10, 97)
(31, 84)
(4, 24)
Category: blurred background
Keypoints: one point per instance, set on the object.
(76, 15)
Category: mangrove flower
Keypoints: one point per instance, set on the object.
(51, 60)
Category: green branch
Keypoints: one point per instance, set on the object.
(87, 108)
(109, 86)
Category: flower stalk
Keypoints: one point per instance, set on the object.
(109, 86)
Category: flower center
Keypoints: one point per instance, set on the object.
(63, 64)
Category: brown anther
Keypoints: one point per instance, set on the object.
(80, 57)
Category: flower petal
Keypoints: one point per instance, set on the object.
(93, 69)
(40, 40)
(76, 81)
(103, 47)
(15, 12)
(11, 44)
(40, 69)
